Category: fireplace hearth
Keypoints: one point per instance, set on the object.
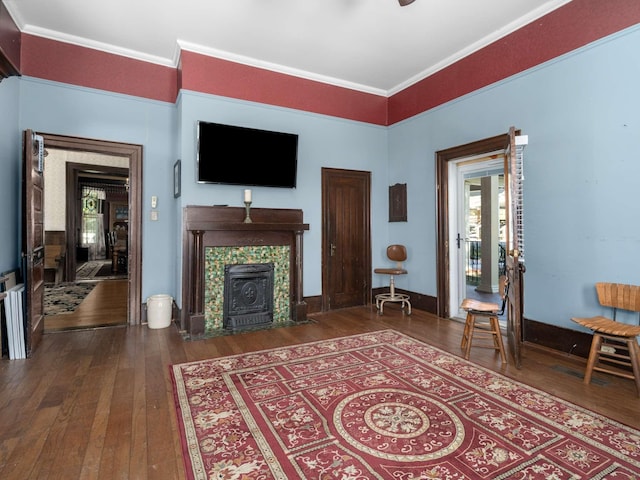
(248, 295)
(207, 229)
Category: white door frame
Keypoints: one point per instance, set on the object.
(458, 169)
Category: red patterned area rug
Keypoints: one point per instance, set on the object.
(385, 406)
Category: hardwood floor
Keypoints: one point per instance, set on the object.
(99, 403)
(105, 306)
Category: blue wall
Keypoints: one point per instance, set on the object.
(50, 107)
(323, 142)
(582, 115)
(10, 166)
(581, 112)
(167, 133)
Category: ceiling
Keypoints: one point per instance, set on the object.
(375, 46)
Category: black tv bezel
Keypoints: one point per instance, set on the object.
(292, 160)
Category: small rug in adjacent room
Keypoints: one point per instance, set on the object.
(98, 270)
(65, 297)
(90, 269)
(383, 405)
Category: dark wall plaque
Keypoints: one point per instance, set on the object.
(398, 202)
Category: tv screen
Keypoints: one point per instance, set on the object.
(233, 155)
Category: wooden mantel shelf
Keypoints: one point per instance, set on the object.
(215, 226)
(197, 217)
(204, 225)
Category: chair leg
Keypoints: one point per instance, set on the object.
(403, 299)
(468, 338)
(407, 304)
(465, 333)
(497, 337)
(593, 357)
(634, 356)
(493, 331)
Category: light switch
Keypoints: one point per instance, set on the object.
(154, 202)
(154, 215)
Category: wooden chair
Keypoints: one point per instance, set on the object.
(118, 250)
(482, 323)
(54, 260)
(614, 348)
(398, 254)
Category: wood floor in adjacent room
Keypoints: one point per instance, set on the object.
(105, 306)
(98, 403)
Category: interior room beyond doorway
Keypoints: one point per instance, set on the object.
(93, 190)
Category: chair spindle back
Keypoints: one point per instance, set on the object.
(619, 296)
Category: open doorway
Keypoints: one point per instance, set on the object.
(510, 145)
(98, 216)
(478, 225)
(446, 202)
(95, 216)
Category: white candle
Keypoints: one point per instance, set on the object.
(247, 195)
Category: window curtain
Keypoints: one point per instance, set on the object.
(92, 231)
(93, 235)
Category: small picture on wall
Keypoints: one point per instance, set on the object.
(398, 202)
(176, 179)
(122, 212)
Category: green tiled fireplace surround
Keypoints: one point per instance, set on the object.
(215, 236)
(215, 259)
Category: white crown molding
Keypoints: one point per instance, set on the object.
(103, 47)
(182, 45)
(541, 11)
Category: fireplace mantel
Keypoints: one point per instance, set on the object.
(205, 227)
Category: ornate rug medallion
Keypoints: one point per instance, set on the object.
(398, 425)
(383, 405)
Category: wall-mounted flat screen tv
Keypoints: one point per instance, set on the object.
(234, 155)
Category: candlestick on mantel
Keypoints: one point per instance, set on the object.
(247, 208)
(247, 196)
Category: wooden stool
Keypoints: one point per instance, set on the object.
(398, 254)
(614, 343)
(482, 320)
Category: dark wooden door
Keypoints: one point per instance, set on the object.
(514, 261)
(33, 237)
(346, 239)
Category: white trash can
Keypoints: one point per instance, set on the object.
(159, 311)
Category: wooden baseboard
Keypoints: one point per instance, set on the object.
(426, 303)
(420, 301)
(314, 304)
(536, 334)
(556, 338)
(552, 352)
